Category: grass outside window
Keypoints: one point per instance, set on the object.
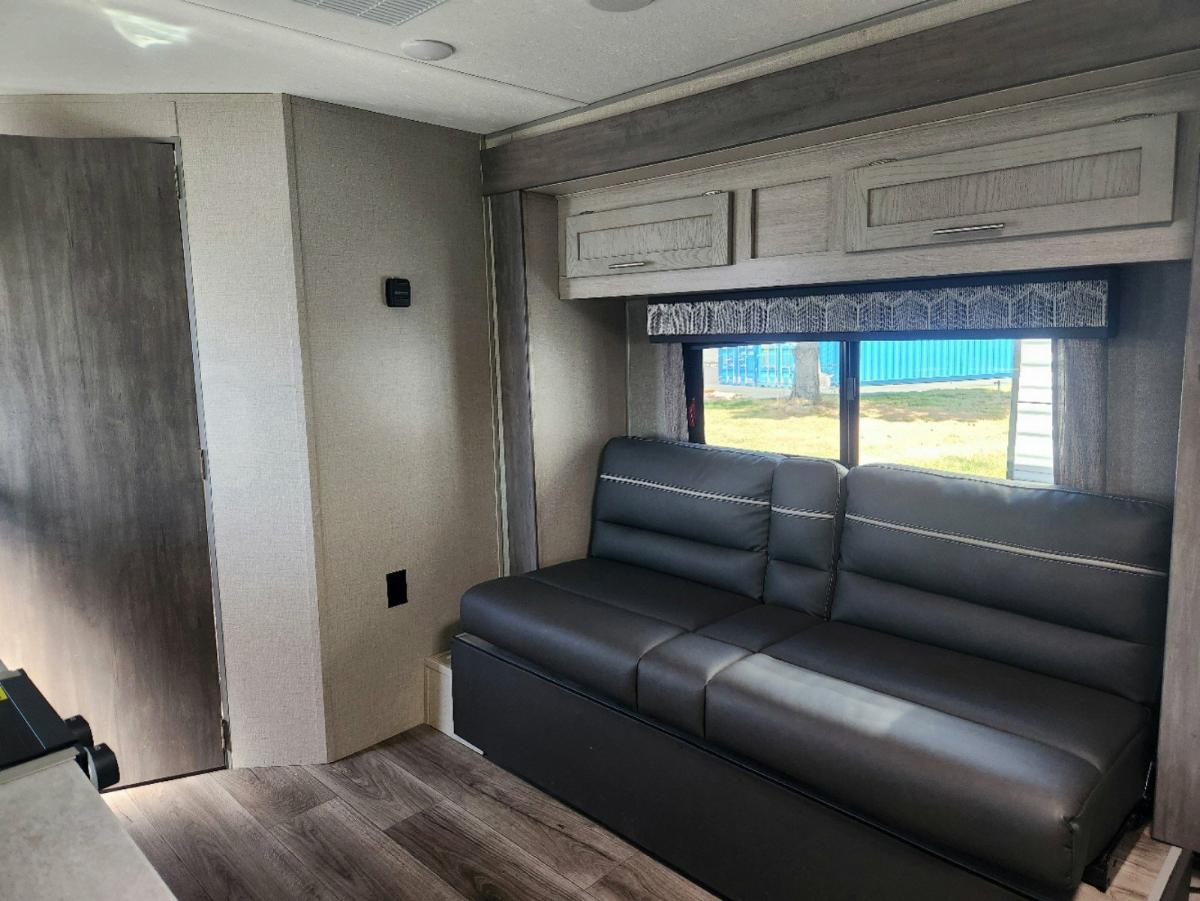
(958, 429)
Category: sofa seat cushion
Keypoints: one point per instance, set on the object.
(579, 638)
(1090, 724)
(673, 677)
(967, 788)
(681, 602)
(591, 621)
(759, 626)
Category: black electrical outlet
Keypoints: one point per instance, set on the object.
(397, 588)
(397, 292)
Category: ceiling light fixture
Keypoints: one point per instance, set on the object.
(143, 32)
(619, 6)
(426, 50)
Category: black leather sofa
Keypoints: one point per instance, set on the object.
(791, 681)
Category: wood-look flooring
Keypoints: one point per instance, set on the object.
(417, 817)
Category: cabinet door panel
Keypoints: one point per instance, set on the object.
(1108, 176)
(674, 234)
(792, 218)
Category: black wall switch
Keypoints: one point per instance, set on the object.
(397, 292)
(397, 588)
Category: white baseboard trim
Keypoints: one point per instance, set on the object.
(439, 704)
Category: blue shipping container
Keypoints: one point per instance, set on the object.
(880, 362)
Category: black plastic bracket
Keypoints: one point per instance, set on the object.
(1100, 872)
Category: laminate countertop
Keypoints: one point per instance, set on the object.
(60, 839)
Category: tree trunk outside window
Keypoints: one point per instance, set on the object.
(806, 385)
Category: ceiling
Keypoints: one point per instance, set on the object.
(517, 60)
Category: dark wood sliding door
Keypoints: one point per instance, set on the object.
(105, 584)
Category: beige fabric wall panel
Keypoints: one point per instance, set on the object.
(577, 389)
(107, 116)
(402, 415)
(244, 271)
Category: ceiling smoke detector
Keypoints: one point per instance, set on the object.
(619, 6)
(385, 12)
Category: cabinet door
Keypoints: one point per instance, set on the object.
(673, 234)
(1107, 176)
(791, 218)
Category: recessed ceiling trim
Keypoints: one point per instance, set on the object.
(385, 12)
(922, 15)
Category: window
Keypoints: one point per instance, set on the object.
(774, 397)
(975, 406)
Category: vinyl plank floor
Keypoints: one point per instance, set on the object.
(357, 861)
(417, 817)
(567, 842)
(162, 857)
(642, 878)
(229, 852)
(479, 862)
(375, 785)
(274, 794)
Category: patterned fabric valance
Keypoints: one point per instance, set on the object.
(1047, 304)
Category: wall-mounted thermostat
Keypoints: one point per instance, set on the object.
(397, 292)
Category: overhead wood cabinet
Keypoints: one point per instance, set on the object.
(1109, 176)
(677, 234)
(1087, 179)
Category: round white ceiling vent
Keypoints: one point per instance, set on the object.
(427, 50)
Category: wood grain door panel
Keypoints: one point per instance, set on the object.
(105, 584)
(674, 234)
(792, 218)
(1107, 176)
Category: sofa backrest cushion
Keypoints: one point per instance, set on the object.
(696, 512)
(1066, 583)
(806, 511)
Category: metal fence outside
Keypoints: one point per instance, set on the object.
(880, 362)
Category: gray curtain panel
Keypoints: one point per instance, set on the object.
(656, 398)
(1080, 376)
(675, 394)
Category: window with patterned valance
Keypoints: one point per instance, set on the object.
(1074, 308)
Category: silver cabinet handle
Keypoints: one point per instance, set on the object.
(995, 226)
(636, 265)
